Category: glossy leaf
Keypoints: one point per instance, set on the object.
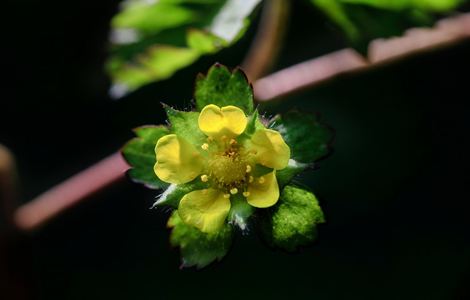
(222, 88)
(293, 221)
(197, 248)
(151, 40)
(140, 154)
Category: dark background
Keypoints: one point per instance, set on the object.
(394, 191)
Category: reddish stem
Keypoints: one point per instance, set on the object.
(281, 83)
(71, 191)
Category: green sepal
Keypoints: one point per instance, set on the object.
(293, 220)
(140, 154)
(222, 88)
(240, 212)
(308, 139)
(198, 248)
(285, 175)
(260, 170)
(185, 124)
(173, 194)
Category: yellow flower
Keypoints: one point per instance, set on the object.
(226, 161)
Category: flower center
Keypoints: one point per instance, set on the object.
(228, 169)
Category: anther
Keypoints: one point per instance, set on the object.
(226, 196)
(204, 178)
(248, 168)
(246, 194)
(233, 191)
(250, 179)
(205, 146)
(261, 180)
(233, 142)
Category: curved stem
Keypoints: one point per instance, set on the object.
(282, 83)
(381, 51)
(267, 42)
(71, 191)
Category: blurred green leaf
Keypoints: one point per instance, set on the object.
(222, 87)
(365, 20)
(153, 39)
(197, 248)
(140, 154)
(293, 221)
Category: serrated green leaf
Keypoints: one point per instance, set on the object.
(146, 33)
(222, 88)
(140, 154)
(306, 136)
(365, 20)
(240, 212)
(293, 221)
(173, 194)
(197, 248)
(185, 125)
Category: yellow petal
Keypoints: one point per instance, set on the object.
(178, 161)
(205, 209)
(271, 150)
(263, 194)
(216, 121)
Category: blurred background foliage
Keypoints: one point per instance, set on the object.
(392, 192)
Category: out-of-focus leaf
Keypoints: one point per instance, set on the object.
(365, 20)
(140, 154)
(153, 39)
(198, 248)
(222, 88)
(293, 221)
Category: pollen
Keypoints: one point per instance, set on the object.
(261, 180)
(250, 179)
(248, 168)
(233, 191)
(246, 194)
(205, 146)
(226, 196)
(233, 142)
(204, 178)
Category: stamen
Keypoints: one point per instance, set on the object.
(261, 180)
(226, 196)
(248, 168)
(250, 179)
(204, 178)
(233, 191)
(233, 142)
(205, 146)
(246, 194)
